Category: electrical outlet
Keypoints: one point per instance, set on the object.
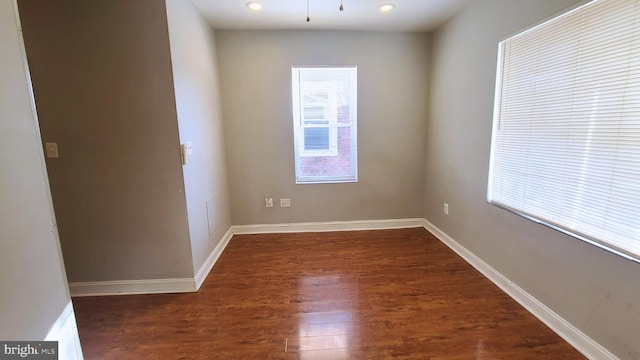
(285, 202)
(446, 208)
(268, 202)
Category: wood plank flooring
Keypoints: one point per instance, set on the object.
(386, 294)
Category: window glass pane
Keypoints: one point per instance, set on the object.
(316, 138)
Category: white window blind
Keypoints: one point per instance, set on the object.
(324, 123)
(566, 137)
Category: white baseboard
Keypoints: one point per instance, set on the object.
(201, 275)
(584, 344)
(152, 286)
(131, 287)
(65, 332)
(567, 331)
(329, 226)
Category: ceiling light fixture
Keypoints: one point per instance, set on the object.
(255, 6)
(386, 7)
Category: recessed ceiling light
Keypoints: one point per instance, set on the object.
(255, 6)
(386, 7)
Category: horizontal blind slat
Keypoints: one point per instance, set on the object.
(566, 146)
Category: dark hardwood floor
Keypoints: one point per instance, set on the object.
(387, 294)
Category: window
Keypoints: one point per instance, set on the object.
(319, 119)
(566, 135)
(324, 123)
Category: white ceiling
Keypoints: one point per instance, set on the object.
(408, 15)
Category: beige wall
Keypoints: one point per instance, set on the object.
(104, 82)
(593, 289)
(32, 279)
(195, 77)
(255, 72)
(104, 92)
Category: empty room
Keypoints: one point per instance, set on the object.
(320, 179)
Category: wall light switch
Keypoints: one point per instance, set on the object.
(51, 150)
(184, 154)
